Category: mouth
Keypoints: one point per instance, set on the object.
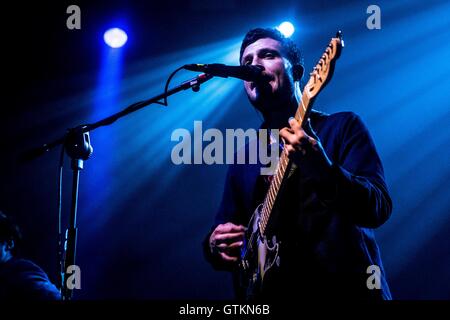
(268, 79)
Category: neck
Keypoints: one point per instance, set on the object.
(280, 116)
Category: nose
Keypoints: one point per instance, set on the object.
(257, 62)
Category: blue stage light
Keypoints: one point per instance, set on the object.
(286, 28)
(115, 37)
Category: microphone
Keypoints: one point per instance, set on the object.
(249, 73)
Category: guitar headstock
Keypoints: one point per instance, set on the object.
(323, 71)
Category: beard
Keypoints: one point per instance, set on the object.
(268, 101)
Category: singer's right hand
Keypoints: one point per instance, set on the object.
(227, 240)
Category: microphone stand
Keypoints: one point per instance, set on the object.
(78, 147)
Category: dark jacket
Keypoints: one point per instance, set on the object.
(328, 241)
(21, 279)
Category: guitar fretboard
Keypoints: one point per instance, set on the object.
(321, 74)
(280, 172)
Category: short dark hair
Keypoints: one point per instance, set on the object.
(9, 231)
(293, 53)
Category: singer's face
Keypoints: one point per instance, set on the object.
(268, 53)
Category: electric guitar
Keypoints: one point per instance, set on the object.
(261, 253)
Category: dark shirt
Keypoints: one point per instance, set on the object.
(328, 240)
(21, 279)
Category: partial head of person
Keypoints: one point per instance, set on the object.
(9, 238)
(282, 62)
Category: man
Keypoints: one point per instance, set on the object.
(334, 197)
(20, 279)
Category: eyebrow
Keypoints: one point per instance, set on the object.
(262, 51)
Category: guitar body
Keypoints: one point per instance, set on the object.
(259, 258)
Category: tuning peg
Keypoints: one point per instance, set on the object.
(340, 36)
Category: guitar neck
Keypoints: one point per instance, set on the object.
(319, 77)
(283, 167)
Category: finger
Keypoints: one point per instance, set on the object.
(288, 137)
(300, 134)
(234, 245)
(294, 124)
(229, 227)
(226, 257)
(298, 130)
(286, 131)
(228, 237)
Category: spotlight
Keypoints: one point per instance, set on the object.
(286, 28)
(115, 37)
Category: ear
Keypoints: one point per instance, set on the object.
(297, 72)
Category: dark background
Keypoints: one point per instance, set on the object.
(142, 218)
